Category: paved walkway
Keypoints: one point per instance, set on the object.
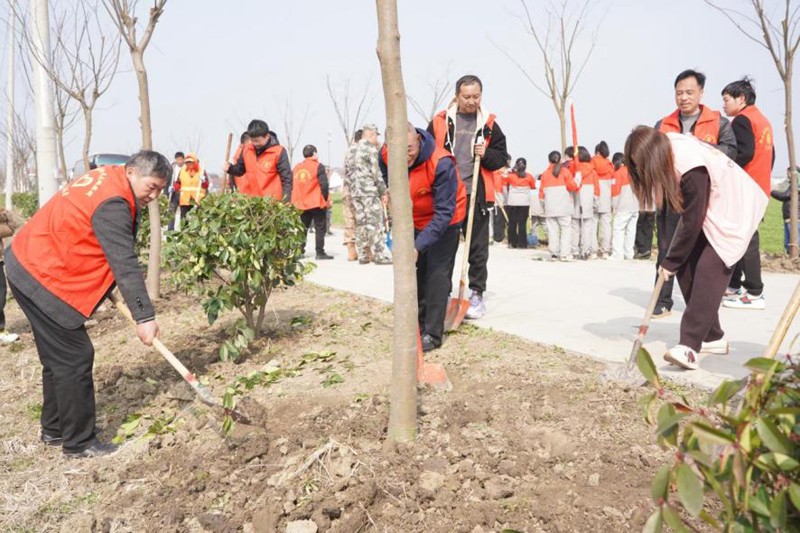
(589, 307)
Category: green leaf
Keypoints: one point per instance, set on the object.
(794, 495)
(726, 391)
(655, 523)
(777, 511)
(772, 437)
(778, 461)
(673, 519)
(646, 366)
(710, 435)
(670, 423)
(759, 503)
(761, 364)
(690, 489)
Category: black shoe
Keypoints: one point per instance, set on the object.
(661, 312)
(428, 344)
(50, 440)
(321, 256)
(98, 449)
(642, 255)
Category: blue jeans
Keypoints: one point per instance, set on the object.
(786, 235)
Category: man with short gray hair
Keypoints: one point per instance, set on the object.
(59, 277)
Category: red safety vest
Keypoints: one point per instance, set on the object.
(603, 167)
(760, 167)
(58, 246)
(440, 132)
(706, 128)
(261, 172)
(306, 192)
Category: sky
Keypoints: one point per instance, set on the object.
(215, 65)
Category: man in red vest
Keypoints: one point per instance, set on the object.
(691, 118)
(756, 155)
(263, 164)
(310, 195)
(62, 264)
(467, 130)
(439, 205)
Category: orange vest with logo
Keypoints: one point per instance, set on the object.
(261, 172)
(306, 192)
(440, 133)
(760, 167)
(706, 128)
(58, 246)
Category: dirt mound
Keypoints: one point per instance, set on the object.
(526, 440)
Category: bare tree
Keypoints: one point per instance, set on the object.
(122, 13)
(556, 44)
(439, 91)
(779, 35)
(350, 111)
(403, 409)
(293, 129)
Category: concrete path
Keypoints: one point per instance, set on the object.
(589, 307)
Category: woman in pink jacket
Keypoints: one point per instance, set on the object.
(720, 210)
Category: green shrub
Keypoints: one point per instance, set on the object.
(234, 250)
(27, 203)
(747, 457)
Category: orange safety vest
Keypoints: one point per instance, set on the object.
(306, 192)
(192, 191)
(261, 172)
(440, 133)
(58, 246)
(760, 167)
(706, 128)
(603, 167)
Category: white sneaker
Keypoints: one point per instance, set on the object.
(732, 294)
(683, 356)
(592, 256)
(8, 338)
(719, 347)
(476, 307)
(746, 301)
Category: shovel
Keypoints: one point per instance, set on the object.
(202, 391)
(629, 373)
(457, 307)
(225, 177)
(432, 374)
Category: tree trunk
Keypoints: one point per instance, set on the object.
(62, 159)
(787, 84)
(154, 260)
(403, 410)
(87, 135)
(562, 121)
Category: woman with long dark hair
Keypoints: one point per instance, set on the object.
(720, 208)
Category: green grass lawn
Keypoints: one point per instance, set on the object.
(771, 230)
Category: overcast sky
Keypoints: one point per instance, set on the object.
(214, 65)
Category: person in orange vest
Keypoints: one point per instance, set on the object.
(555, 190)
(519, 183)
(584, 230)
(439, 206)
(263, 165)
(756, 155)
(720, 208)
(61, 266)
(605, 177)
(467, 130)
(709, 126)
(310, 195)
(626, 210)
(191, 185)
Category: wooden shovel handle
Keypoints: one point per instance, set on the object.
(783, 325)
(225, 177)
(476, 175)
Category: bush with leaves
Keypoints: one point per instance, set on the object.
(234, 250)
(27, 203)
(747, 456)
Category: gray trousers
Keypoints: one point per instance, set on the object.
(584, 233)
(559, 236)
(603, 224)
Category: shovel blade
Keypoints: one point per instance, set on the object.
(434, 374)
(456, 311)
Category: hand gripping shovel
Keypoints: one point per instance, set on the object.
(432, 374)
(457, 307)
(629, 373)
(202, 392)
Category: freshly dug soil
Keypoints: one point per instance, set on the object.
(527, 439)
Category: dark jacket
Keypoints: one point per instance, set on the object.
(445, 190)
(786, 198)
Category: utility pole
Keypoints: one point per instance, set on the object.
(10, 114)
(46, 169)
